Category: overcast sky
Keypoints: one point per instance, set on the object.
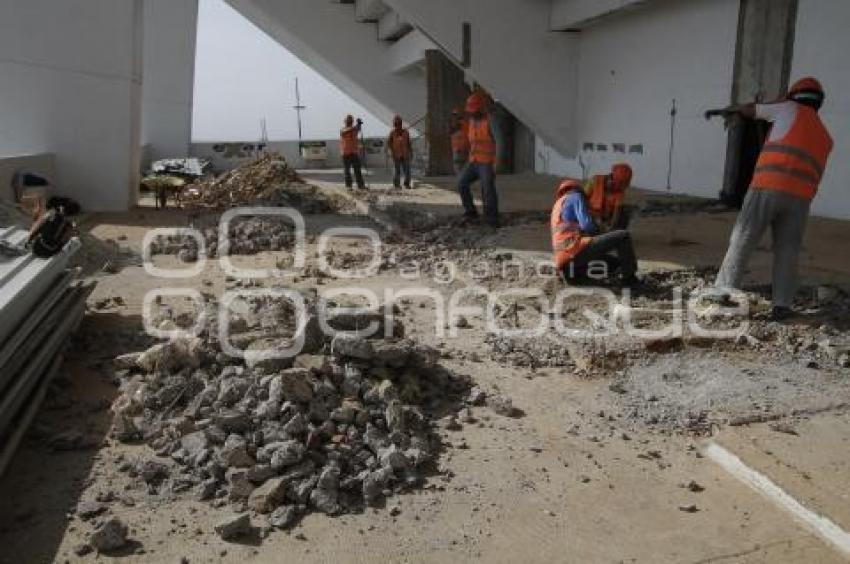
(243, 76)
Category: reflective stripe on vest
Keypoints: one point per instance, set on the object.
(567, 241)
(595, 192)
(348, 141)
(482, 146)
(795, 163)
(602, 203)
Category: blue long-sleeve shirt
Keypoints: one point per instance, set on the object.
(575, 211)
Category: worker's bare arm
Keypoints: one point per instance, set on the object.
(745, 110)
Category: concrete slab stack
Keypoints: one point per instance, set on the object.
(40, 306)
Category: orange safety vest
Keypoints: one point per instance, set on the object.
(348, 141)
(795, 163)
(400, 144)
(567, 241)
(603, 205)
(460, 140)
(482, 146)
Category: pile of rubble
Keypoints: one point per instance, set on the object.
(339, 427)
(254, 182)
(246, 236)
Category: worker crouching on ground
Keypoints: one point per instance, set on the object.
(350, 149)
(581, 253)
(786, 178)
(398, 144)
(460, 140)
(605, 194)
(482, 161)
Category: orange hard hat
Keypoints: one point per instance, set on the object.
(807, 90)
(476, 102)
(808, 84)
(621, 174)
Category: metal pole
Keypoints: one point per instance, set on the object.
(298, 107)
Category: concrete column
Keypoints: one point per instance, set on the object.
(170, 28)
(446, 90)
(763, 56)
(524, 140)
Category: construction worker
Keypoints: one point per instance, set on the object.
(482, 137)
(460, 140)
(580, 252)
(787, 174)
(350, 149)
(398, 144)
(605, 193)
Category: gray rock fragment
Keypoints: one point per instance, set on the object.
(284, 517)
(234, 527)
(110, 536)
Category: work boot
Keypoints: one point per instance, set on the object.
(468, 218)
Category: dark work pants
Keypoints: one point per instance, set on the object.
(349, 162)
(459, 160)
(402, 166)
(486, 174)
(606, 254)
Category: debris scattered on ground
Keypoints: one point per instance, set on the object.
(246, 236)
(329, 432)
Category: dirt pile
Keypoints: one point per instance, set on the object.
(341, 426)
(268, 180)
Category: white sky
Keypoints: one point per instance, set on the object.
(243, 76)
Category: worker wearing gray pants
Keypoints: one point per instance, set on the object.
(786, 178)
(786, 216)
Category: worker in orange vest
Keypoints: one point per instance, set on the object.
(788, 172)
(398, 144)
(350, 149)
(580, 252)
(460, 140)
(605, 194)
(482, 137)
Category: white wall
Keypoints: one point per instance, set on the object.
(238, 152)
(170, 30)
(631, 66)
(527, 67)
(822, 49)
(69, 81)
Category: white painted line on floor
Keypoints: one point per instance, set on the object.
(818, 524)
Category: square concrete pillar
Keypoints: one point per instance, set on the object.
(763, 55)
(447, 89)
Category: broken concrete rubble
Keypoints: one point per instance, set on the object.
(332, 434)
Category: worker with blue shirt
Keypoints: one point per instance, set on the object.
(580, 252)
